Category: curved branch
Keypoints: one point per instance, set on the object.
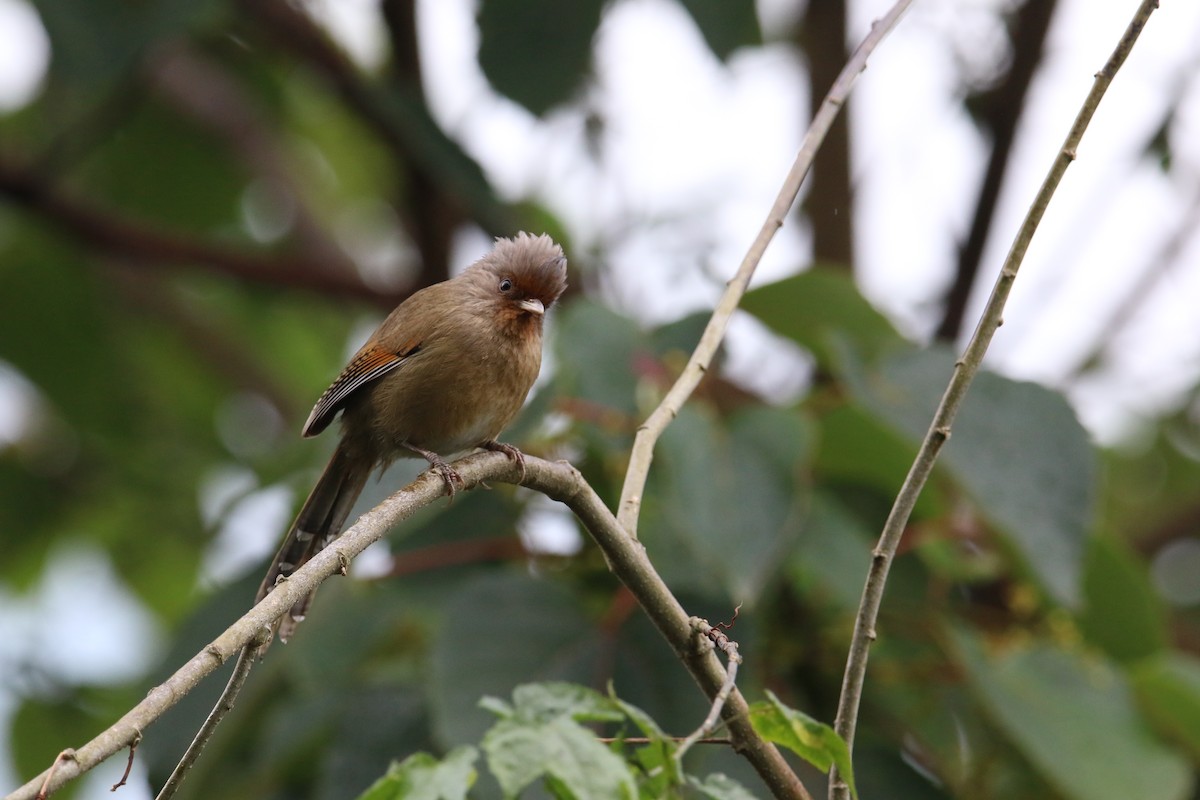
(647, 435)
(559, 481)
(964, 372)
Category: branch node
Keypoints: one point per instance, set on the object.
(216, 653)
(65, 755)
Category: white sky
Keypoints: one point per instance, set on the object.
(702, 147)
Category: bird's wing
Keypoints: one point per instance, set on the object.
(370, 363)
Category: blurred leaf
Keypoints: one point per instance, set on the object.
(1168, 686)
(819, 307)
(680, 337)
(40, 729)
(886, 771)
(423, 777)
(813, 741)
(720, 787)
(542, 739)
(657, 757)
(533, 702)
(832, 556)
(339, 160)
(46, 286)
(537, 52)
(1148, 486)
(734, 496)
(1122, 614)
(725, 24)
(1016, 447)
(859, 448)
(94, 41)
(1074, 719)
(500, 631)
(114, 173)
(30, 509)
(596, 351)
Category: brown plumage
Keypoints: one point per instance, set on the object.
(446, 372)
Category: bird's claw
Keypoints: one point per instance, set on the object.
(449, 476)
(510, 451)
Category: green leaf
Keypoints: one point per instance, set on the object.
(94, 41)
(813, 741)
(859, 448)
(423, 777)
(1168, 686)
(819, 308)
(831, 558)
(1074, 719)
(116, 177)
(1122, 613)
(561, 751)
(375, 724)
(1016, 447)
(522, 629)
(725, 24)
(596, 348)
(533, 702)
(537, 52)
(719, 786)
(644, 721)
(657, 758)
(733, 496)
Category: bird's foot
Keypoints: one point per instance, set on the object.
(449, 475)
(510, 451)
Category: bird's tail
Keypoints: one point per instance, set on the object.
(319, 522)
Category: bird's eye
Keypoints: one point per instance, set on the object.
(506, 285)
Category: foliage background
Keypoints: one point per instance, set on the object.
(206, 205)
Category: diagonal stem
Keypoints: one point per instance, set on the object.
(647, 436)
(964, 372)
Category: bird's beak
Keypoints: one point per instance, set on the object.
(533, 306)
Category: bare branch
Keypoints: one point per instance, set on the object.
(559, 481)
(224, 704)
(732, 662)
(647, 435)
(964, 372)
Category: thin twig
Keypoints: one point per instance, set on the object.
(733, 661)
(722, 740)
(133, 746)
(64, 756)
(224, 704)
(964, 371)
(559, 481)
(649, 432)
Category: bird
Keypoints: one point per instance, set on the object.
(444, 373)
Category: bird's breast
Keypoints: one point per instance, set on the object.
(454, 393)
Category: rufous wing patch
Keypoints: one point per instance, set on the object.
(370, 363)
